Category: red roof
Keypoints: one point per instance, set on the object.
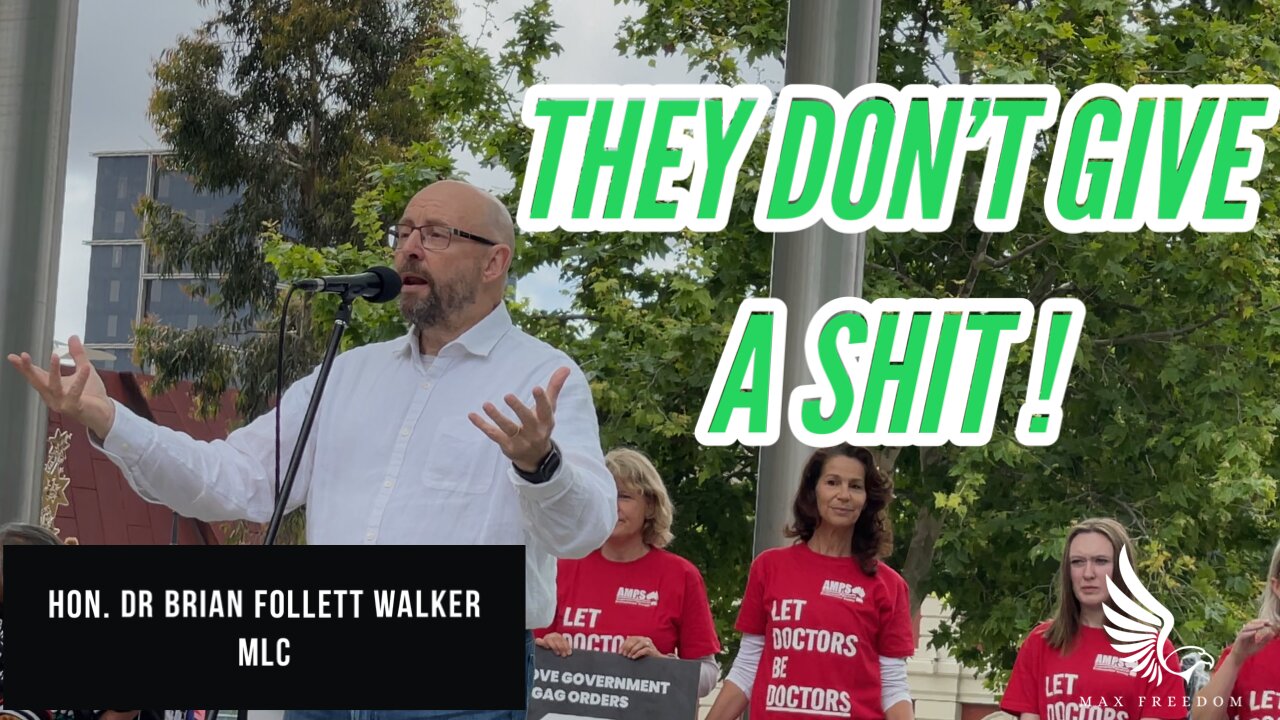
(104, 510)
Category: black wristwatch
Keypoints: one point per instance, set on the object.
(545, 470)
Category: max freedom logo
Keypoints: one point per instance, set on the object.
(1140, 627)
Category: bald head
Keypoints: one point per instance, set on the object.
(449, 289)
(471, 208)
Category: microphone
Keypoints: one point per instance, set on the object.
(377, 284)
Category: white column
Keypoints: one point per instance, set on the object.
(37, 50)
(833, 43)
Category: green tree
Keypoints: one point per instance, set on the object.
(650, 311)
(290, 104)
(1171, 412)
(1170, 415)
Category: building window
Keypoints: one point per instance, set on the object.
(155, 290)
(162, 191)
(115, 291)
(109, 363)
(192, 320)
(122, 188)
(200, 217)
(117, 256)
(119, 221)
(111, 326)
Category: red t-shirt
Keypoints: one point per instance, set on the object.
(661, 596)
(1256, 694)
(1090, 682)
(825, 625)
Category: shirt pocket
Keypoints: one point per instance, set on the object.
(462, 459)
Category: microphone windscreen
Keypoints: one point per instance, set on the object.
(390, 287)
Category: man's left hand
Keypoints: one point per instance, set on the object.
(528, 441)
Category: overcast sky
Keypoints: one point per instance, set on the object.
(119, 40)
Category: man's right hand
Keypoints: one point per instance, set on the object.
(81, 396)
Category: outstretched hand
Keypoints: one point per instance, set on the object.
(528, 441)
(80, 396)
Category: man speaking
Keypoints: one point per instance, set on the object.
(464, 431)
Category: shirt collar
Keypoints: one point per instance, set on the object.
(479, 339)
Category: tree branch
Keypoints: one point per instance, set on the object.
(924, 540)
(1173, 333)
(975, 266)
(1048, 290)
(887, 460)
(902, 278)
(943, 73)
(1017, 255)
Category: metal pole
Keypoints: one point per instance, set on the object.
(37, 50)
(833, 43)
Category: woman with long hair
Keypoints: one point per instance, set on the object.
(632, 596)
(826, 625)
(1067, 667)
(1246, 684)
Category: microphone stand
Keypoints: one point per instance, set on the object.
(339, 326)
(340, 323)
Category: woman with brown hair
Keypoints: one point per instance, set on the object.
(826, 625)
(1067, 667)
(1246, 685)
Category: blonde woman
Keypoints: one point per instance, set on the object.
(1246, 685)
(1067, 667)
(632, 596)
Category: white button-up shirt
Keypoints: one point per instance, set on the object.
(393, 459)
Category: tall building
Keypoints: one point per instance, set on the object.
(124, 285)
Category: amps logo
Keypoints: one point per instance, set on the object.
(631, 596)
(843, 591)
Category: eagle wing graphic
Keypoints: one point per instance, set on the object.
(1140, 625)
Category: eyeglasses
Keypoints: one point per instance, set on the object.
(433, 235)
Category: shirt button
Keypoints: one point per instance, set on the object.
(369, 536)
(404, 432)
(386, 484)
(426, 386)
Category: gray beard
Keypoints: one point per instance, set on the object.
(440, 307)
